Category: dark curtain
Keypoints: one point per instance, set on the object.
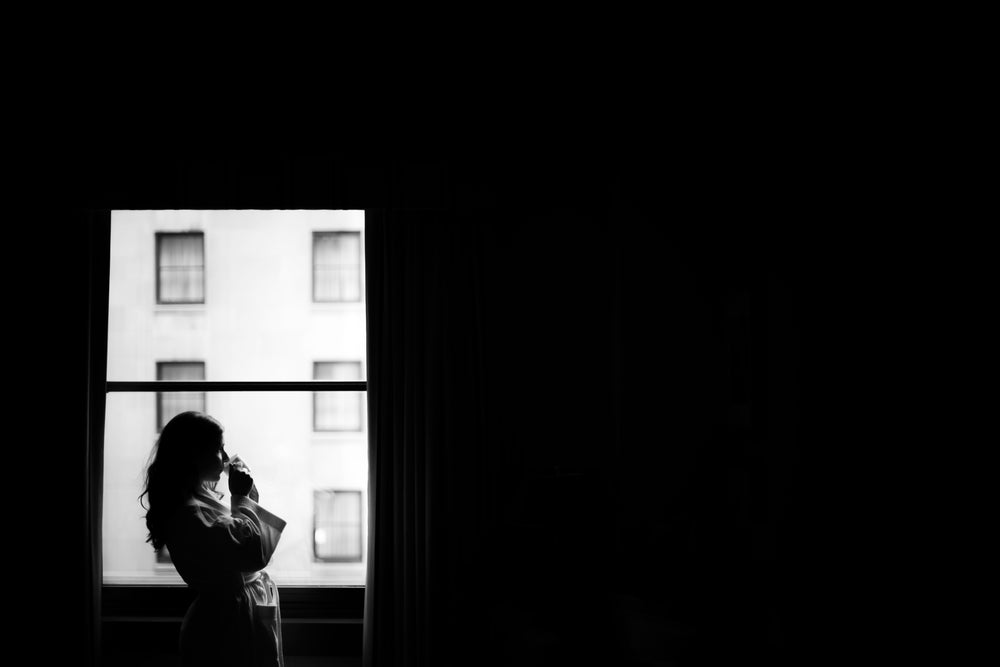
(583, 442)
(99, 233)
(53, 457)
(426, 428)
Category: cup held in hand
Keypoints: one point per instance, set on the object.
(236, 462)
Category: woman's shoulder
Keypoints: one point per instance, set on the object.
(184, 511)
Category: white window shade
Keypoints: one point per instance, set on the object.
(337, 266)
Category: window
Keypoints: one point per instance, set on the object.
(180, 267)
(337, 410)
(337, 266)
(262, 336)
(171, 403)
(337, 526)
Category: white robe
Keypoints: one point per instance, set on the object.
(221, 553)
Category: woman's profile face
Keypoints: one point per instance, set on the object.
(212, 467)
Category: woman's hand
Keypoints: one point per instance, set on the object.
(237, 464)
(240, 483)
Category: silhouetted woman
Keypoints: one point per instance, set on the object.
(219, 551)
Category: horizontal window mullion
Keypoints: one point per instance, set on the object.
(201, 385)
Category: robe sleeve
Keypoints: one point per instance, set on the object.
(268, 526)
(244, 541)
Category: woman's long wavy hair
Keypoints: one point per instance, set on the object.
(173, 473)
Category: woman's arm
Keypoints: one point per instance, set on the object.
(244, 541)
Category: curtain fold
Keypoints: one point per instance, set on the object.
(97, 314)
(425, 434)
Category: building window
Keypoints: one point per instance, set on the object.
(171, 403)
(337, 410)
(336, 266)
(337, 526)
(180, 267)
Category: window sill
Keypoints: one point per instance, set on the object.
(315, 621)
(315, 603)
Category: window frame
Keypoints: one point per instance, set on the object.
(311, 610)
(159, 239)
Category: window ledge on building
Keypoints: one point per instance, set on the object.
(179, 308)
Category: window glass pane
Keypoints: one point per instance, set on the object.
(259, 319)
(291, 464)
